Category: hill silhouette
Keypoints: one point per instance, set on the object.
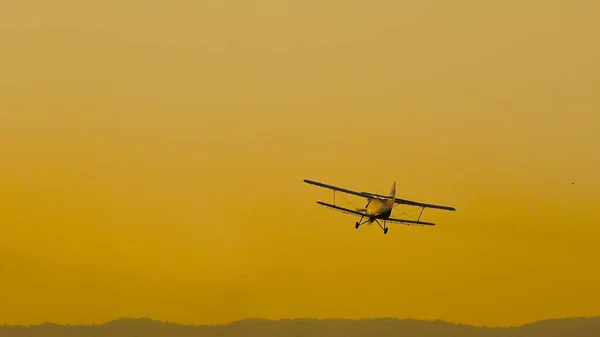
(144, 327)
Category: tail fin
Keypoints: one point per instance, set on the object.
(393, 190)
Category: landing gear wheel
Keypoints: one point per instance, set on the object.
(385, 230)
(356, 225)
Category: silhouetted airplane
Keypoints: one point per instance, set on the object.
(378, 207)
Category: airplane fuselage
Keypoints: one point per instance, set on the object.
(381, 208)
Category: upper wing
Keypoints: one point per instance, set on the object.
(419, 204)
(335, 188)
(357, 213)
(372, 195)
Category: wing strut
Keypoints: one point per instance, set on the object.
(422, 209)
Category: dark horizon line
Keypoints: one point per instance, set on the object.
(596, 317)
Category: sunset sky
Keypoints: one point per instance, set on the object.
(152, 155)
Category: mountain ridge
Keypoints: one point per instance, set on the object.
(149, 320)
(313, 327)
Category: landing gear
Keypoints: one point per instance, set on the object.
(360, 222)
(384, 227)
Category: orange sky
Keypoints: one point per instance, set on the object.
(152, 156)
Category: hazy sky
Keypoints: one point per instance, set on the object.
(152, 156)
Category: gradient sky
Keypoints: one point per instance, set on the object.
(152, 156)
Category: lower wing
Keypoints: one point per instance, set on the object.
(362, 214)
(342, 209)
(410, 222)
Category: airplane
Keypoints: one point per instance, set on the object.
(378, 207)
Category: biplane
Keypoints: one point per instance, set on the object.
(379, 207)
